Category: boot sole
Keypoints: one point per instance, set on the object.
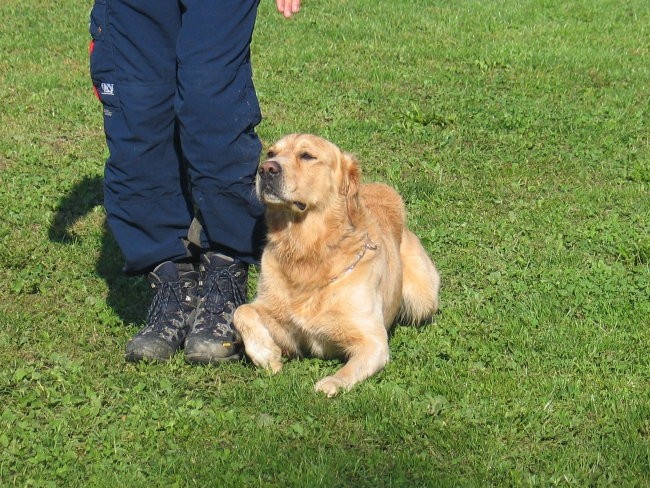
(201, 359)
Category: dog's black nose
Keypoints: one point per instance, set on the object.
(269, 169)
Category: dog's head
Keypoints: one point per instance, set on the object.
(303, 172)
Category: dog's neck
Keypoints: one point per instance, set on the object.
(302, 237)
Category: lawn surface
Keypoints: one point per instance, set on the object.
(518, 134)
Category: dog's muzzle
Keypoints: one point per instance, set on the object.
(269, 178)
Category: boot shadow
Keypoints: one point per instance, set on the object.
(127, 296)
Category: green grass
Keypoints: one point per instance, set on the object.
(518, 134)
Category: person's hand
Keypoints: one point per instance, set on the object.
(288, 7)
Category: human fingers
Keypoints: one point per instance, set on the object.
(288, 7)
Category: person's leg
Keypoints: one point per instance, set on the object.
(217, 109)
(133, 67)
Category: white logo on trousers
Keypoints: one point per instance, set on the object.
(107, 89)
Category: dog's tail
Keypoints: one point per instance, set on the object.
(420, 282)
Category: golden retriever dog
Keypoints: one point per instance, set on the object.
(339, 267)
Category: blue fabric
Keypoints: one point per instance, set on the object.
(180, 110)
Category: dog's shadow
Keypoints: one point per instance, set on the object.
(127, 296)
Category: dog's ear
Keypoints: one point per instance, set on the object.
(352, 174)
(351, 183)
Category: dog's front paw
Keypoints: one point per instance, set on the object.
(265, 357)
(331, 386)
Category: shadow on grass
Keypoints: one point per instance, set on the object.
(127, 296)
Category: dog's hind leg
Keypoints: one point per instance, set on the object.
(420, 282)
(259, 344)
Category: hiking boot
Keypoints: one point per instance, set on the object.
(170, 314)
(212, 338)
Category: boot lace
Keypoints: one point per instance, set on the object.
(221, 286)
(160, 304)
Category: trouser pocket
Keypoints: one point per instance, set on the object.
(102, 65)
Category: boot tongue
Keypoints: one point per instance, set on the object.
(166, 271)
(213, 259)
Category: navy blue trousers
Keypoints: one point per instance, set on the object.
(174, 78)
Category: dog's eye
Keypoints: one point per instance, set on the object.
(270, 154)
(305, 156)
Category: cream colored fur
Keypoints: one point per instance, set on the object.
(339, 267)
